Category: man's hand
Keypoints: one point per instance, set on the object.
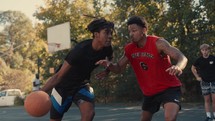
(174, 70)
(198, 78)
(104, 63)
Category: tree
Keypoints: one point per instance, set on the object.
(19, 49)
(3, 71)
(17, 39)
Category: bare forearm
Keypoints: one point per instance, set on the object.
(114, 67)
(51, 83)
(193, 69)
(174, 53)
(196, 75)
(182, 62)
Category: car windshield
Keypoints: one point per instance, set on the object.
(3, 93)
(13, 93)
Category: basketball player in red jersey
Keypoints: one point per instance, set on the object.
(149, 57)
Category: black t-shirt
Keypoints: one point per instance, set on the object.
(82, 59)
(206, 68)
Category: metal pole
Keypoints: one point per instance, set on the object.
(38, 66)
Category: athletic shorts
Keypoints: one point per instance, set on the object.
(152, 103)
(207, 87)
(62, 103)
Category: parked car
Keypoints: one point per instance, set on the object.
(8, 96)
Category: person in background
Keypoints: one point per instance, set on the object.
(36, 83)
(204, 71)
(149, 57)
(71, 83)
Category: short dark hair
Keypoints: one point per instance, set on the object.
(140, 21)
(99, 24)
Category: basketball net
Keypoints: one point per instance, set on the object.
(53, 47)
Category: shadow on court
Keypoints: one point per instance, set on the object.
(106, 112)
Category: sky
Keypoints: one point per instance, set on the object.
(28, 7)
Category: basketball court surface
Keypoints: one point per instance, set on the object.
(106, 112)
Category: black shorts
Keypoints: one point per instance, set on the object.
(62, 103)
(207, 87)
(153, 103)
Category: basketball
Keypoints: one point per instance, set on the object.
(37, 104)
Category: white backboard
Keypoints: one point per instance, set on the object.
(59, 37)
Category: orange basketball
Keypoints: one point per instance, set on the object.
(37, 103)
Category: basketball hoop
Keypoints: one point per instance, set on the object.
(53, 47)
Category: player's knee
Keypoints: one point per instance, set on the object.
(170, 118)
(207, 100)
(88, 116)
(146, 116)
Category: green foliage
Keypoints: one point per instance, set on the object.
(127, 88)
(19, 50)
(3, 71)
(17, 38)
(18, 79)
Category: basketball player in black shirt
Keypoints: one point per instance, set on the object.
(72, 82)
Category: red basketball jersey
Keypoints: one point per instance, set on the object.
(150, 67)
